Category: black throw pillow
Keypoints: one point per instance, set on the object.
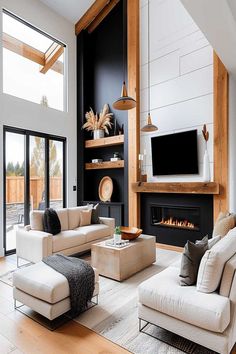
(95, 215)
(191, 259)
(51, 222)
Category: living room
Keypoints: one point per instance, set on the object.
(117, 195)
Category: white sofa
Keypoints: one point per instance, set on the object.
(208, 319)
(33, 244)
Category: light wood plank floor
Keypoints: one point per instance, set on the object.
(20, 334)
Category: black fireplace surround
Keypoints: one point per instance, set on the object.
(176, 218)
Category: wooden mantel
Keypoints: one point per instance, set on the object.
(177, 187)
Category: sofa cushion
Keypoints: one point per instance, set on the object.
(43, 282)
(228, 276)
(63, 217)
(67, 239)
(95, 231)
(213, 241)
(85, 217)
(163, 293)
(36, 220)
(213, 262)
(224, 223)
(74, 216)
(51, 222)
(95, 213)
(191, 259)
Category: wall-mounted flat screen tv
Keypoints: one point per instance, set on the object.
(175, 154)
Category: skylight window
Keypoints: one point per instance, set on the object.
(33, 64)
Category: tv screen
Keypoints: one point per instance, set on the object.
(175, 154)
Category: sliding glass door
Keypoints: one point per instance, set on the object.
(56, 174)
(37, 167)
(14, 186)
(34, 177)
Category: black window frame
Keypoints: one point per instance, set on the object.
(27, 133)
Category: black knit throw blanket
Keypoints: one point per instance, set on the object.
(80, 276)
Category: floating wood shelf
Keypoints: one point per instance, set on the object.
(177, 187)
(104, 165)
(109, 141)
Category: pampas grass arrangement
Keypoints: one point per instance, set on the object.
(101, 122)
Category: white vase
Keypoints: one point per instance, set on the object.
(206, 167)
(117, 238)
(98, 134)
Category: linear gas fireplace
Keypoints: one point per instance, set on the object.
(176, 218)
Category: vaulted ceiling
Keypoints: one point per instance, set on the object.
(72, 10)
(217, 20)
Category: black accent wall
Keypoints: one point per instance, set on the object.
(99, 81)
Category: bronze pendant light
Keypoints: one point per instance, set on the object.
(124, 102)
(149, 127)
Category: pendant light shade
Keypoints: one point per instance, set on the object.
(124, 103)
(149, 127)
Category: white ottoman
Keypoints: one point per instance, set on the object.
(44, 290)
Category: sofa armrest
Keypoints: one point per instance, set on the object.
(109, 222)
(33, 245)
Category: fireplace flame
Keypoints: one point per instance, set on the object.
(177, 223)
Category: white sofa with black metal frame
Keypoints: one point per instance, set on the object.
(33, 244)
(208, 319)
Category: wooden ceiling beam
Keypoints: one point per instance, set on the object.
(16, 46)
(23, 49)
(51, 56)
(103, 14)
(90, 15)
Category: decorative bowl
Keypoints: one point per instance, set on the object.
(105, 189)
(130, 233)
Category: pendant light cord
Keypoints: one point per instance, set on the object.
(148, 57)
(124, 41)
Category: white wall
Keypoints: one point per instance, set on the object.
(20, 113)
(181, 88)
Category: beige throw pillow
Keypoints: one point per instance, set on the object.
(36, 220)
(85, 217)
(224, 223)
(74, 216)
(213, 262)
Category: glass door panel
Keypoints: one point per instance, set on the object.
(56, 174)
(37, 167)
(34, 177)
(14, 186)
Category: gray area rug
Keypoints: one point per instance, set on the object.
(116, 317)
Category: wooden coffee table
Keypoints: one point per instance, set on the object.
(121, 263)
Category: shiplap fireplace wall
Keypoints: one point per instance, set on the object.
(181, 64)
